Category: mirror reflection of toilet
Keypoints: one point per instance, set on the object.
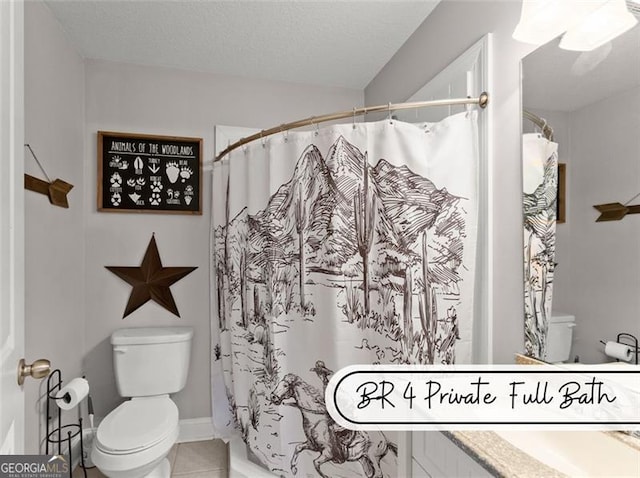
(559, 337)
(150, 363)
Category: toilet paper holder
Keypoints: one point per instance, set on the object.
(633, 344)
(56, 435)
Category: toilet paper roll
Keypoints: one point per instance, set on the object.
(618, 351)
(73, 393)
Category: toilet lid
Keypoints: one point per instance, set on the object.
(137, 424)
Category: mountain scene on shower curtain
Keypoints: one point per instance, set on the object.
(367, 249)
(407, 205)
(415, 249)
(539, 209)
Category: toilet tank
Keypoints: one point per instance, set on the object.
(559, 337)
(151, 360)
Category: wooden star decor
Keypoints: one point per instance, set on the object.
(151, 281)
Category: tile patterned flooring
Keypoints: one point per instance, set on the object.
(198, 459)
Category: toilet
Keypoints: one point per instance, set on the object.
(150, 363)
(559, 337)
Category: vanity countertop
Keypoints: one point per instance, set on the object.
(503, 459)
(499, 457)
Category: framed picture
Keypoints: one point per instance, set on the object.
(148, 173)
(561, 202)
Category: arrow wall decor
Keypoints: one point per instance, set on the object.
(614, 211)
(56, 190)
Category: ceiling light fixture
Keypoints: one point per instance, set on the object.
(543, 20)
(599, 27)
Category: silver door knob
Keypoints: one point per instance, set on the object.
(38, 369)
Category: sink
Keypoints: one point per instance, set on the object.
(578, 453)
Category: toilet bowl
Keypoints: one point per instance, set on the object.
(134, 440)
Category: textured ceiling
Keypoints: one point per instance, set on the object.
(331, 43)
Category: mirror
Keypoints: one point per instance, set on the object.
(582, 110)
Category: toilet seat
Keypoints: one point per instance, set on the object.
(137, 424)
(134, 465)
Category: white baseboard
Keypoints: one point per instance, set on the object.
(196, 429)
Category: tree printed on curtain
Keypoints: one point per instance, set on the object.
(354, 259)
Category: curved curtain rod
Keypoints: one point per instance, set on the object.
(541, 123)
(481, 101)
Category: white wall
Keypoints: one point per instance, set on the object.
(446, 33)
(605, 257)
(54, 237)
(152, 100)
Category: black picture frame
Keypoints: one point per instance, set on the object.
(142, 173)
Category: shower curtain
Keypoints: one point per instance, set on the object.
(540, 190)
(350, 244)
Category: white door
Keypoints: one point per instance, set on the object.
(11, 225)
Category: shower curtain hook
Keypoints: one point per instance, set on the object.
(354, 117)
(389, 112)
(285, 133)
(263, 139)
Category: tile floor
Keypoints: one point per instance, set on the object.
(198, 459)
